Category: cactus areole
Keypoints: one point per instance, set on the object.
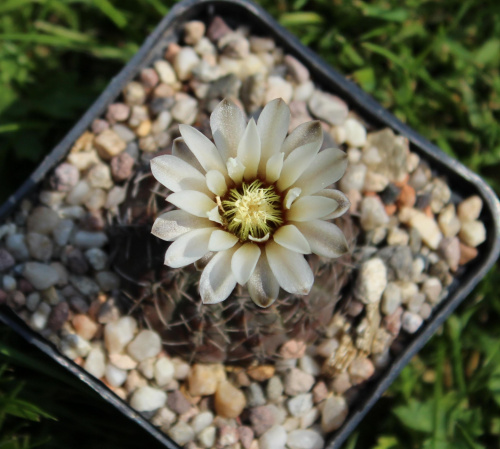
(252, 204)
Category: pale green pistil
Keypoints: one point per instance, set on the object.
(252, 210)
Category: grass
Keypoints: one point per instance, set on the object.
(434, 64)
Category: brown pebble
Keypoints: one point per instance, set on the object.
(261, 373)
(261, 418)
(360, 370)
(246, 436)
(58, 316)
(229, 400)
(320, 392)
(407, 196)
(217, 29)
(25, 286)
(16, 300)
(341, 383)
(6, 260)
(390, 209)
(84, 326)
(149, 77)
(117, 112)
(354, 308)
(242, 379)
(172, 51)
(467, 253)
(392, 322)
(122, 166)
(163, 91)
(177, 402)
(99, 125)
(293, 349)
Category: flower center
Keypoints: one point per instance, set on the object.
(252, 211)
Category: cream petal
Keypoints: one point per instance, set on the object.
(196, 203)
(249, 150)
(176, 174)
(291, 196)
(291, 270)
(221, 240)
(244, 261)
(200, 264)
(327, 167)
(343, 202)
(295, 164)
(310, 208)
(214, 215)
(308, 132)
(235, 169)
(272, 126)
(188, 248)
(325, 238)
(173, 224)
(291, 238)
(182, 151)
(217, 281)
(262, 285)
(273, 167)
(204, 150)
(216, 182)
(228, 125)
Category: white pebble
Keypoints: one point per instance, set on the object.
(145, 345)
(146, 399)
(201, 421)
(207, 437)
(164, 371)
(334, 413)
(95, 363)
(472, 233)
(300, 404)
(115, 376)
(118, 334)
(411, 322)
(274, 438)
(305, 439)
(355, 132)
(9, 283)
(371, 281)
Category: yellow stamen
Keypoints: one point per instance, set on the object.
(252, 210)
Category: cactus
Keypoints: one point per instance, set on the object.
(234, 331)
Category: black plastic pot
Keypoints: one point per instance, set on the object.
(236, 12)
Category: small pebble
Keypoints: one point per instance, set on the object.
(274, 438)
(145, 345)
(411, 322)
(229, 401)
(472, 233)
(305, 439)
(300, 404)
(334, 413)
(297, 382)
(146, 399)
(203, 379)
(118, 334)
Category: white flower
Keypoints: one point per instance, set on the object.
(252, 204)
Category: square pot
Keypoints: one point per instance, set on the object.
(463, 182)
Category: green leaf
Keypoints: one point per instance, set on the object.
(111, 12)
(416, 415)
(384, 13)
(301, 18)
(489, 52)
(365, 78)
(387, 54)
